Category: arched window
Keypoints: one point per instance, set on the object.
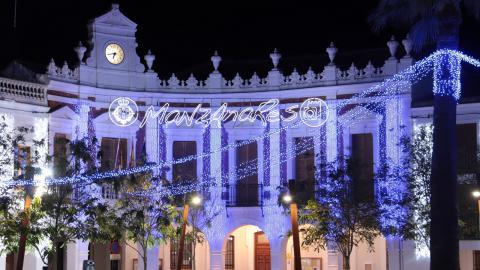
(230, 253)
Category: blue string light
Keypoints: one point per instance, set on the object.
(376, 96)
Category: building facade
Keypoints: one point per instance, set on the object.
(251, 231)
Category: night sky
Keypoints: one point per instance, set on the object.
(184, 34)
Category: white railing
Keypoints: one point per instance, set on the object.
(23, 91)
(275, 79)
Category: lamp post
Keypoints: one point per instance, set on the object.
(297, 259)
(196, 200)
(476, 195)
(46, 172)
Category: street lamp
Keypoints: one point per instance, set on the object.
(476, 195)
(42, 187)
(195, 200)
(297, 260)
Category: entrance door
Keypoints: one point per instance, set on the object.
(262, 252)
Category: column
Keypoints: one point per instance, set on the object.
(216, 260)
(331, 128)
(392, 135)
(216, 156)
(152, 141)
(152, 258)
(290, 160)
(231, 162)
(277, 255)
(2, 262)
(82, 124)
(216, 254)
(275, 154)
(169, 155)
(260, 160)
(7, 124)
(334, 260)
(77, 252)
(395, 254)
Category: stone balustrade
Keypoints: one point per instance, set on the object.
(23, 91)
(275, 79)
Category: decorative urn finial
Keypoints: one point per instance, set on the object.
(216, 59)
(149, 58)
(407, 45)
(275, 56)
(392, 47)
(115, 6)
(80, 50)
(332, 52)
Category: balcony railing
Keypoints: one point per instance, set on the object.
(244, 194)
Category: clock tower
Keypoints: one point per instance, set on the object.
(111, 60)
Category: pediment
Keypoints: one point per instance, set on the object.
(115, 18)
(65, 113)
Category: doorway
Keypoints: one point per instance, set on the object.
(262, 252)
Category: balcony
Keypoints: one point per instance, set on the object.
(244, 195)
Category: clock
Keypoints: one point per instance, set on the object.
(114, 53)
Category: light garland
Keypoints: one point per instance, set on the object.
(374, 96)
(206, 149)
(6, 151)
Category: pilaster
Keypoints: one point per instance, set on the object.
(82, 124)
(275, 154)
(277, 254)
(331, 129)
(77, 252)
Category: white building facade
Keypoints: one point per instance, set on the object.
(251, 231)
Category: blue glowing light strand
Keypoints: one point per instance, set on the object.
(266, 157)
(86, 179)
(206, 149)
(225, 158)
(419, 69)
(245, 169)
(283, 149)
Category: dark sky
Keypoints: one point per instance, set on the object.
(184, 34)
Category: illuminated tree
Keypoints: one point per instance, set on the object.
(142, 216)
(200, 218)
(437, 21)
(337, 217)
(16, 165)
(64, 206)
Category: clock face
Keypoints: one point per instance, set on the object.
(114, 53)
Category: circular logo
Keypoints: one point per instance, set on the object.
(314, 112)
(123, 111)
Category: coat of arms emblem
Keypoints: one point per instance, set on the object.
(123, 111)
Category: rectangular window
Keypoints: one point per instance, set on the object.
(60, 151)
(362, 158)
(305, 166)
(185, 171)
(230, 253)
(466, 148)
(114, 156)
(22, 160)
(187, 255)
(114, 153)
(247, 182)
